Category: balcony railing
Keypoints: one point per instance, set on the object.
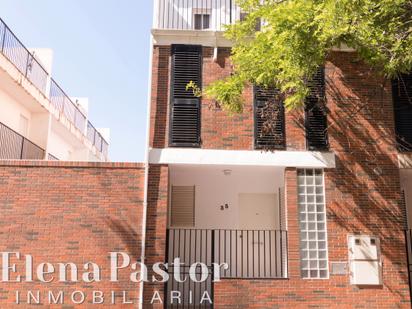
(97, 140)
(14, 146)
(195, 14)
(28, 65)
(50, 157)
(23, 60)
(250, 254)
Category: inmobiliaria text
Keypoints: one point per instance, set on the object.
(18, 268)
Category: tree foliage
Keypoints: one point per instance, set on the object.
(296, 37)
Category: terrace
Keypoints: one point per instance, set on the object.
(28, 64)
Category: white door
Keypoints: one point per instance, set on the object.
(258, 211)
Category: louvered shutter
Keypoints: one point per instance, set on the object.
(315, 114)
(182, 206)
(185, 107)
(276, 138)
(402, 101)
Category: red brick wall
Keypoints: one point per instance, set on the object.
(362, 196)
(219, 130)
(160, 97)
(71, 212)
(156, 227)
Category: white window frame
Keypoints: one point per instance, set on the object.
(202, 12)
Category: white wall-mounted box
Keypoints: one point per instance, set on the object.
(365, 260)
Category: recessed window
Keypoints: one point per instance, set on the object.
(312, 224)
(316, 114)
(184, 126)
(202, 21)
(402, 101)
(268, 105)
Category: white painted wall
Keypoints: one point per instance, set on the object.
(11, 111)
(214, 189)
(193, 156)
(45, 57)
(83, 104)
(176, 14)
(20, 100)
(105, 132)
(60, 148)
(39, 129)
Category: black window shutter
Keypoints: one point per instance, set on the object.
(316, 114)
(275, 138)
(402, 101)
(185, 107)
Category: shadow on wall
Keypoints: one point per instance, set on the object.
(364, 195)
(128, 235)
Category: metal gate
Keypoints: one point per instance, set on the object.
(249, 254)
(190, 246)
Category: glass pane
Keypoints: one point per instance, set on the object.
(312, 217)
(206, 21)
(198, 22)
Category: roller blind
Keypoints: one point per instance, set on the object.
(183, 206)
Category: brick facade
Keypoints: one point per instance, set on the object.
(362, 197)
(219, 130)
(79, 212)
(156, 227)
(71, 212)
(362, 192)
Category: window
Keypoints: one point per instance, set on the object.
(182, 212)
(184, 126)
(202, 21)
(312, 224)
(315, 114)
(268, 105)
(402, 101)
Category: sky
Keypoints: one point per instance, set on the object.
(101, 51)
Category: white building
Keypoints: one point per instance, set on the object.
(38, 120)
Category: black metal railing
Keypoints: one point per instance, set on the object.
(97, 140)
(195, 14)
(23, 60)
(50, 157)
(14, 146)
(28, 65)
(249, 254)
(65, 105)
(408, 236)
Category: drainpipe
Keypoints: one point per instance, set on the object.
(146, 172)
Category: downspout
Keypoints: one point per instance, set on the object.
(146, 172)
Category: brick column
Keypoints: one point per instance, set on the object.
(160, 97)
(292, 223)
(156, 229)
